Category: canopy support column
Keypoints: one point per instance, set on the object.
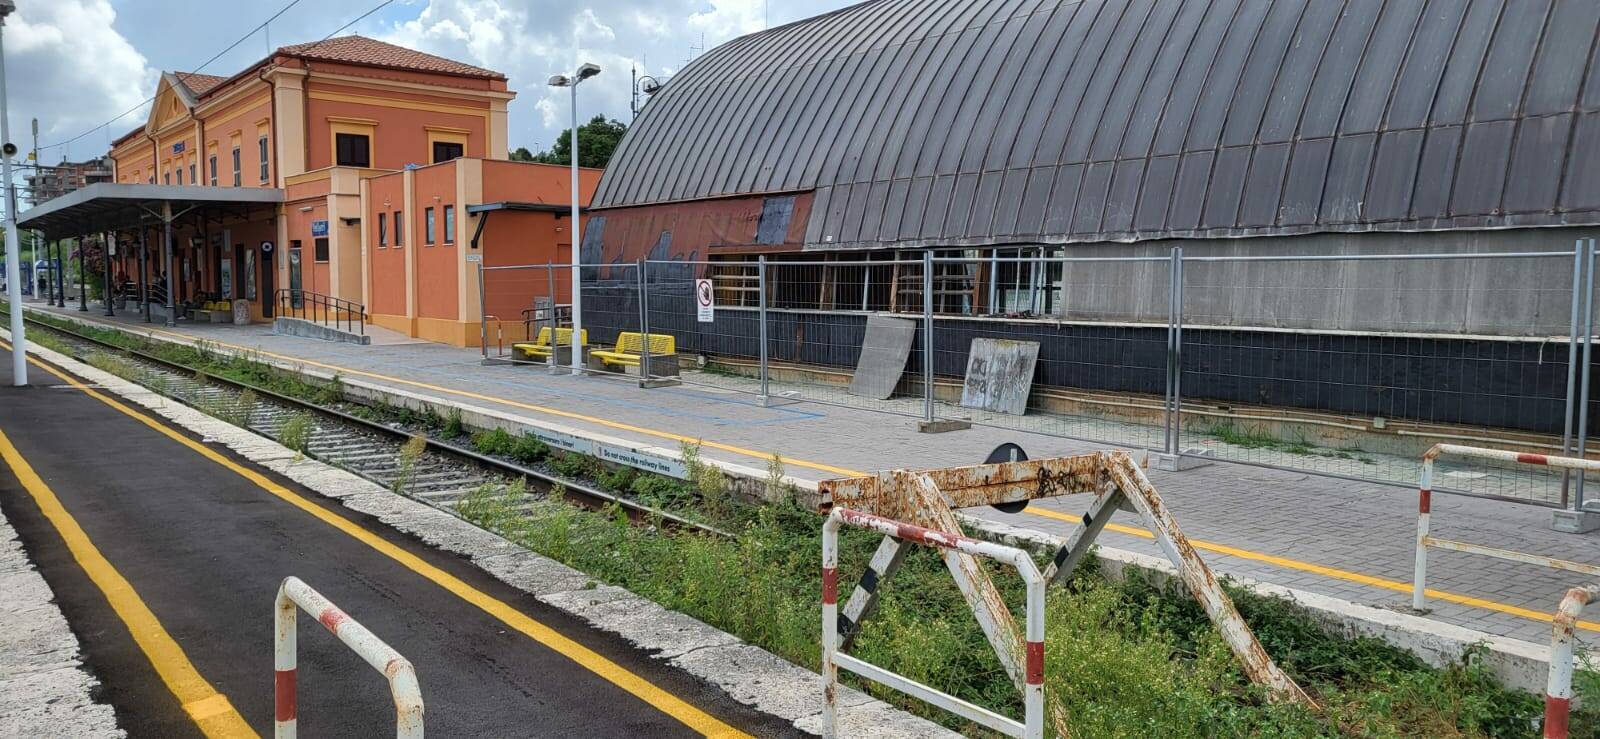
(166, 224)
(111, 240)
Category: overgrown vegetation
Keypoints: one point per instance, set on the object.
(1230, 433)
(1125, 658)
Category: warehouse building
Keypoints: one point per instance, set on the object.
(1118, 128)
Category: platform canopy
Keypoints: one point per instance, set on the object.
(110, 206)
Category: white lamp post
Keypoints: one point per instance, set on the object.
(19, 341)
(584, 72)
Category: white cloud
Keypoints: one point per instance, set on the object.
(67, 65)
(75, 63)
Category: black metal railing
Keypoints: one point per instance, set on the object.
(326, 310)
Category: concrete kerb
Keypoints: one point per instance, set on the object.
(746, 673)
(44, 688)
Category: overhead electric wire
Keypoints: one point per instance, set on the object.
(219, 55)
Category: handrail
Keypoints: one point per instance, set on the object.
(327, 310)
(401, 675)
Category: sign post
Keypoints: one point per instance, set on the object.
(704, 301)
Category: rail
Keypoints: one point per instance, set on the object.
(345, 315)
(1558, 689)
(1426, 539)
(833, 658)
(293, 594)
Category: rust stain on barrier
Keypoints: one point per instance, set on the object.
(927, 499)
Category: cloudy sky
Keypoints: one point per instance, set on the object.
(74, 64)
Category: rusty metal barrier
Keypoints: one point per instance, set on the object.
(927, 498)
(1425, 539)
(1558, 688)
(833, 658)
(397, 669)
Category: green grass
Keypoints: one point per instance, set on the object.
(296, 432)
(1233, 434)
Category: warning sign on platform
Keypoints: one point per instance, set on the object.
(704, 301)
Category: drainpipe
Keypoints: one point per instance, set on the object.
(272, 126)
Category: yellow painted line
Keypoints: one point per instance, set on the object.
(1325, 571)
(209, 709)
(1285, 562)
(612, 672)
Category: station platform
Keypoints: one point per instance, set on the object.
(1345, 539)
(164, 553)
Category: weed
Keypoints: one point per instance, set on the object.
(332, 391)
(296, 433)
(496, 442)
(617, 478)
(707, 479)
(569, 464)
(528, 449)
(452, 424)
(410, 452)
(777, 488)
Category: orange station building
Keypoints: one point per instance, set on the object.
(384, 166)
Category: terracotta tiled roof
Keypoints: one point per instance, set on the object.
(363, 50)
(199, 84)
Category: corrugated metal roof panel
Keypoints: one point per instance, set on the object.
(960, 121)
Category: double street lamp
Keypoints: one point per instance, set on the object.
(585, 71)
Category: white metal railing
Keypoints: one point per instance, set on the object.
(402, 677)
(1558, 688)
(1032, 725)
(1425, 539)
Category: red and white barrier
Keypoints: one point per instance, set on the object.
(402, 677)
(1425, 539)
(1558, 688)
(1032, 726)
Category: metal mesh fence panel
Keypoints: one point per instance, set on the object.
(518, 303)
(1099, 348)
(1355, 366)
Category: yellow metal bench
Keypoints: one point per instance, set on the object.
(630, 349)
(541, 347)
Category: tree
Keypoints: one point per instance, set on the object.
(597, 139)
(522, 155)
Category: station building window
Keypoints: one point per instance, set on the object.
(427, 226)
(449, 224)
(354, 150)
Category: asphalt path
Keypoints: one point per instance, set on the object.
(204, 549)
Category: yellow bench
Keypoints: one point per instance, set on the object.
(541, 347)
(630, 349)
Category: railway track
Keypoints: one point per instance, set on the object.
(441, 473)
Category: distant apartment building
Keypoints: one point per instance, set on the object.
(50, 181)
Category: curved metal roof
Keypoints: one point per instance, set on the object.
(972, 121)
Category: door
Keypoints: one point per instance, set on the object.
(269, 273)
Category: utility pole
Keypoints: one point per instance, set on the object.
(19, 339)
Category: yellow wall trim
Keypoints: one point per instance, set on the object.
(501, 95)
(402, 104)
(233, 111)
(352, 121)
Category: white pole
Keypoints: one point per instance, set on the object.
(19, 341)
(577, 242)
